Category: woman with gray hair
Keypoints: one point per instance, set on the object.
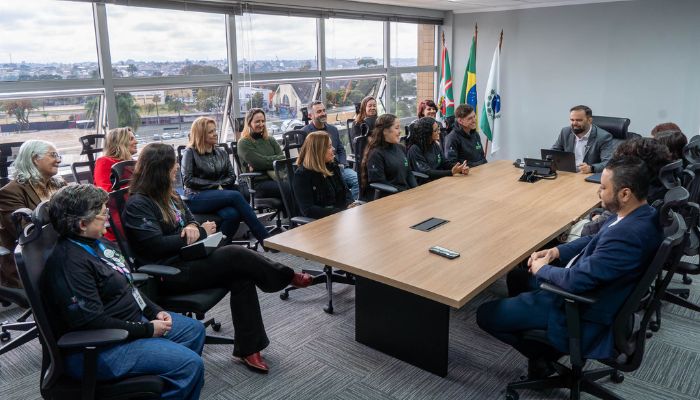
(91, 287)
(34, 181)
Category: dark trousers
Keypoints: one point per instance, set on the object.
(231, 206)
(240, 270)
(271, 188)
(507, 319)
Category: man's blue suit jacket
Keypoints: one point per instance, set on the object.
(609, 267)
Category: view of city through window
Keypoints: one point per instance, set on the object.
(59, 44)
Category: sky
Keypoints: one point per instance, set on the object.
(61, 31)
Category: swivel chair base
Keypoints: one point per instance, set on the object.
(573, 379)
(326, 276)
(29, 332)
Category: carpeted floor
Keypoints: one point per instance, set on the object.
(313, 355)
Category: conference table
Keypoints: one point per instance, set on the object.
(404, 293)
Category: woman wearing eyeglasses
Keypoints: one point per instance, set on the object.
(34, 181)
(90, 287)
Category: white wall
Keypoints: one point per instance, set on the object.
(638, 59)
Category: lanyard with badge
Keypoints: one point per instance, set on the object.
(117, 263)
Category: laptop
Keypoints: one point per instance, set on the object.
(563, 160)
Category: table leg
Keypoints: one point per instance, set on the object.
(403, 325)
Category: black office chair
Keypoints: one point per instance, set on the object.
(629, 327)
(195, 303)
(284, 170)
(9, 295)
(616, 126)
(261, 204)
(82, 172)
(348, 131)
(35, 246)
(8, 152)
(90, 148)
(120, 173)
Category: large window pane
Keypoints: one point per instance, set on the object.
(60, 120)
(148, 42)
(166, 115)
(412, 45)
(42, 40)
(404, 96)
(354, 44)
(342, 95)
(269, 43)
(282, 102)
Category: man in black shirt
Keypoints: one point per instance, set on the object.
(464, 143)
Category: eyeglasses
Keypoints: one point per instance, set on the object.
(104, 214)
(54, 155)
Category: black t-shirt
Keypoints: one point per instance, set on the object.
(389, 165)
(86, 293)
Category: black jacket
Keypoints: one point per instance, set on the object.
(86, 293)
(431, 162)
(389, 165)
(460, 146)
(319, 196)
(207, 171)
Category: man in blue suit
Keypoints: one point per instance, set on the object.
(605, 266)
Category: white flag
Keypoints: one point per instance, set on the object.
(491, 110)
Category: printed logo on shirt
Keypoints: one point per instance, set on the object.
(478, 146)
(405, 162)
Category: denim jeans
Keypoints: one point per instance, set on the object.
(351, 181)
(231, 206)
(175, 358)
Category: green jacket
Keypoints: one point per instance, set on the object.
(259, 154)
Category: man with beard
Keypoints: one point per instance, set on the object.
(606, 266)
(319, 117)
(591, 145)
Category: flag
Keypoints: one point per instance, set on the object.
(446, 106)
(491, 110)
(469, 83)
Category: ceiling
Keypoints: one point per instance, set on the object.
(469, 6)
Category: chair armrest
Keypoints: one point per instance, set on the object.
(383, 187)
(158, 270)
(4, 251)
(140, 277)
(594, 212)
(420, 175)
(563, 293)
(92, 338)
(250, 174)
(298, 221)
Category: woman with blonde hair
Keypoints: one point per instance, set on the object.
(120, 145)
(34, 180)
(367, 116)
(258, 150)
(318, 183)
(210, 182)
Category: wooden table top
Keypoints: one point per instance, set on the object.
(495, 222)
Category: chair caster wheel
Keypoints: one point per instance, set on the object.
(284, 295)
(328, 310)
(654, 326)
(512, 394)
(687, 280)
(216, 326)
(649, 335)
(5, 304)
(617, 377)
(684, 295)
(5, 336)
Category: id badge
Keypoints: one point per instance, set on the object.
(138, 298)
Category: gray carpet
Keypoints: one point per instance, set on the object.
(313, 355)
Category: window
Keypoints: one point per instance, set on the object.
(412, 45)
(148, 42)
(166, 115)
(45, 40)
(342, 94)
(59, 120)
(352, 44)
(282, 102)
(271, 43)
(404, 96)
